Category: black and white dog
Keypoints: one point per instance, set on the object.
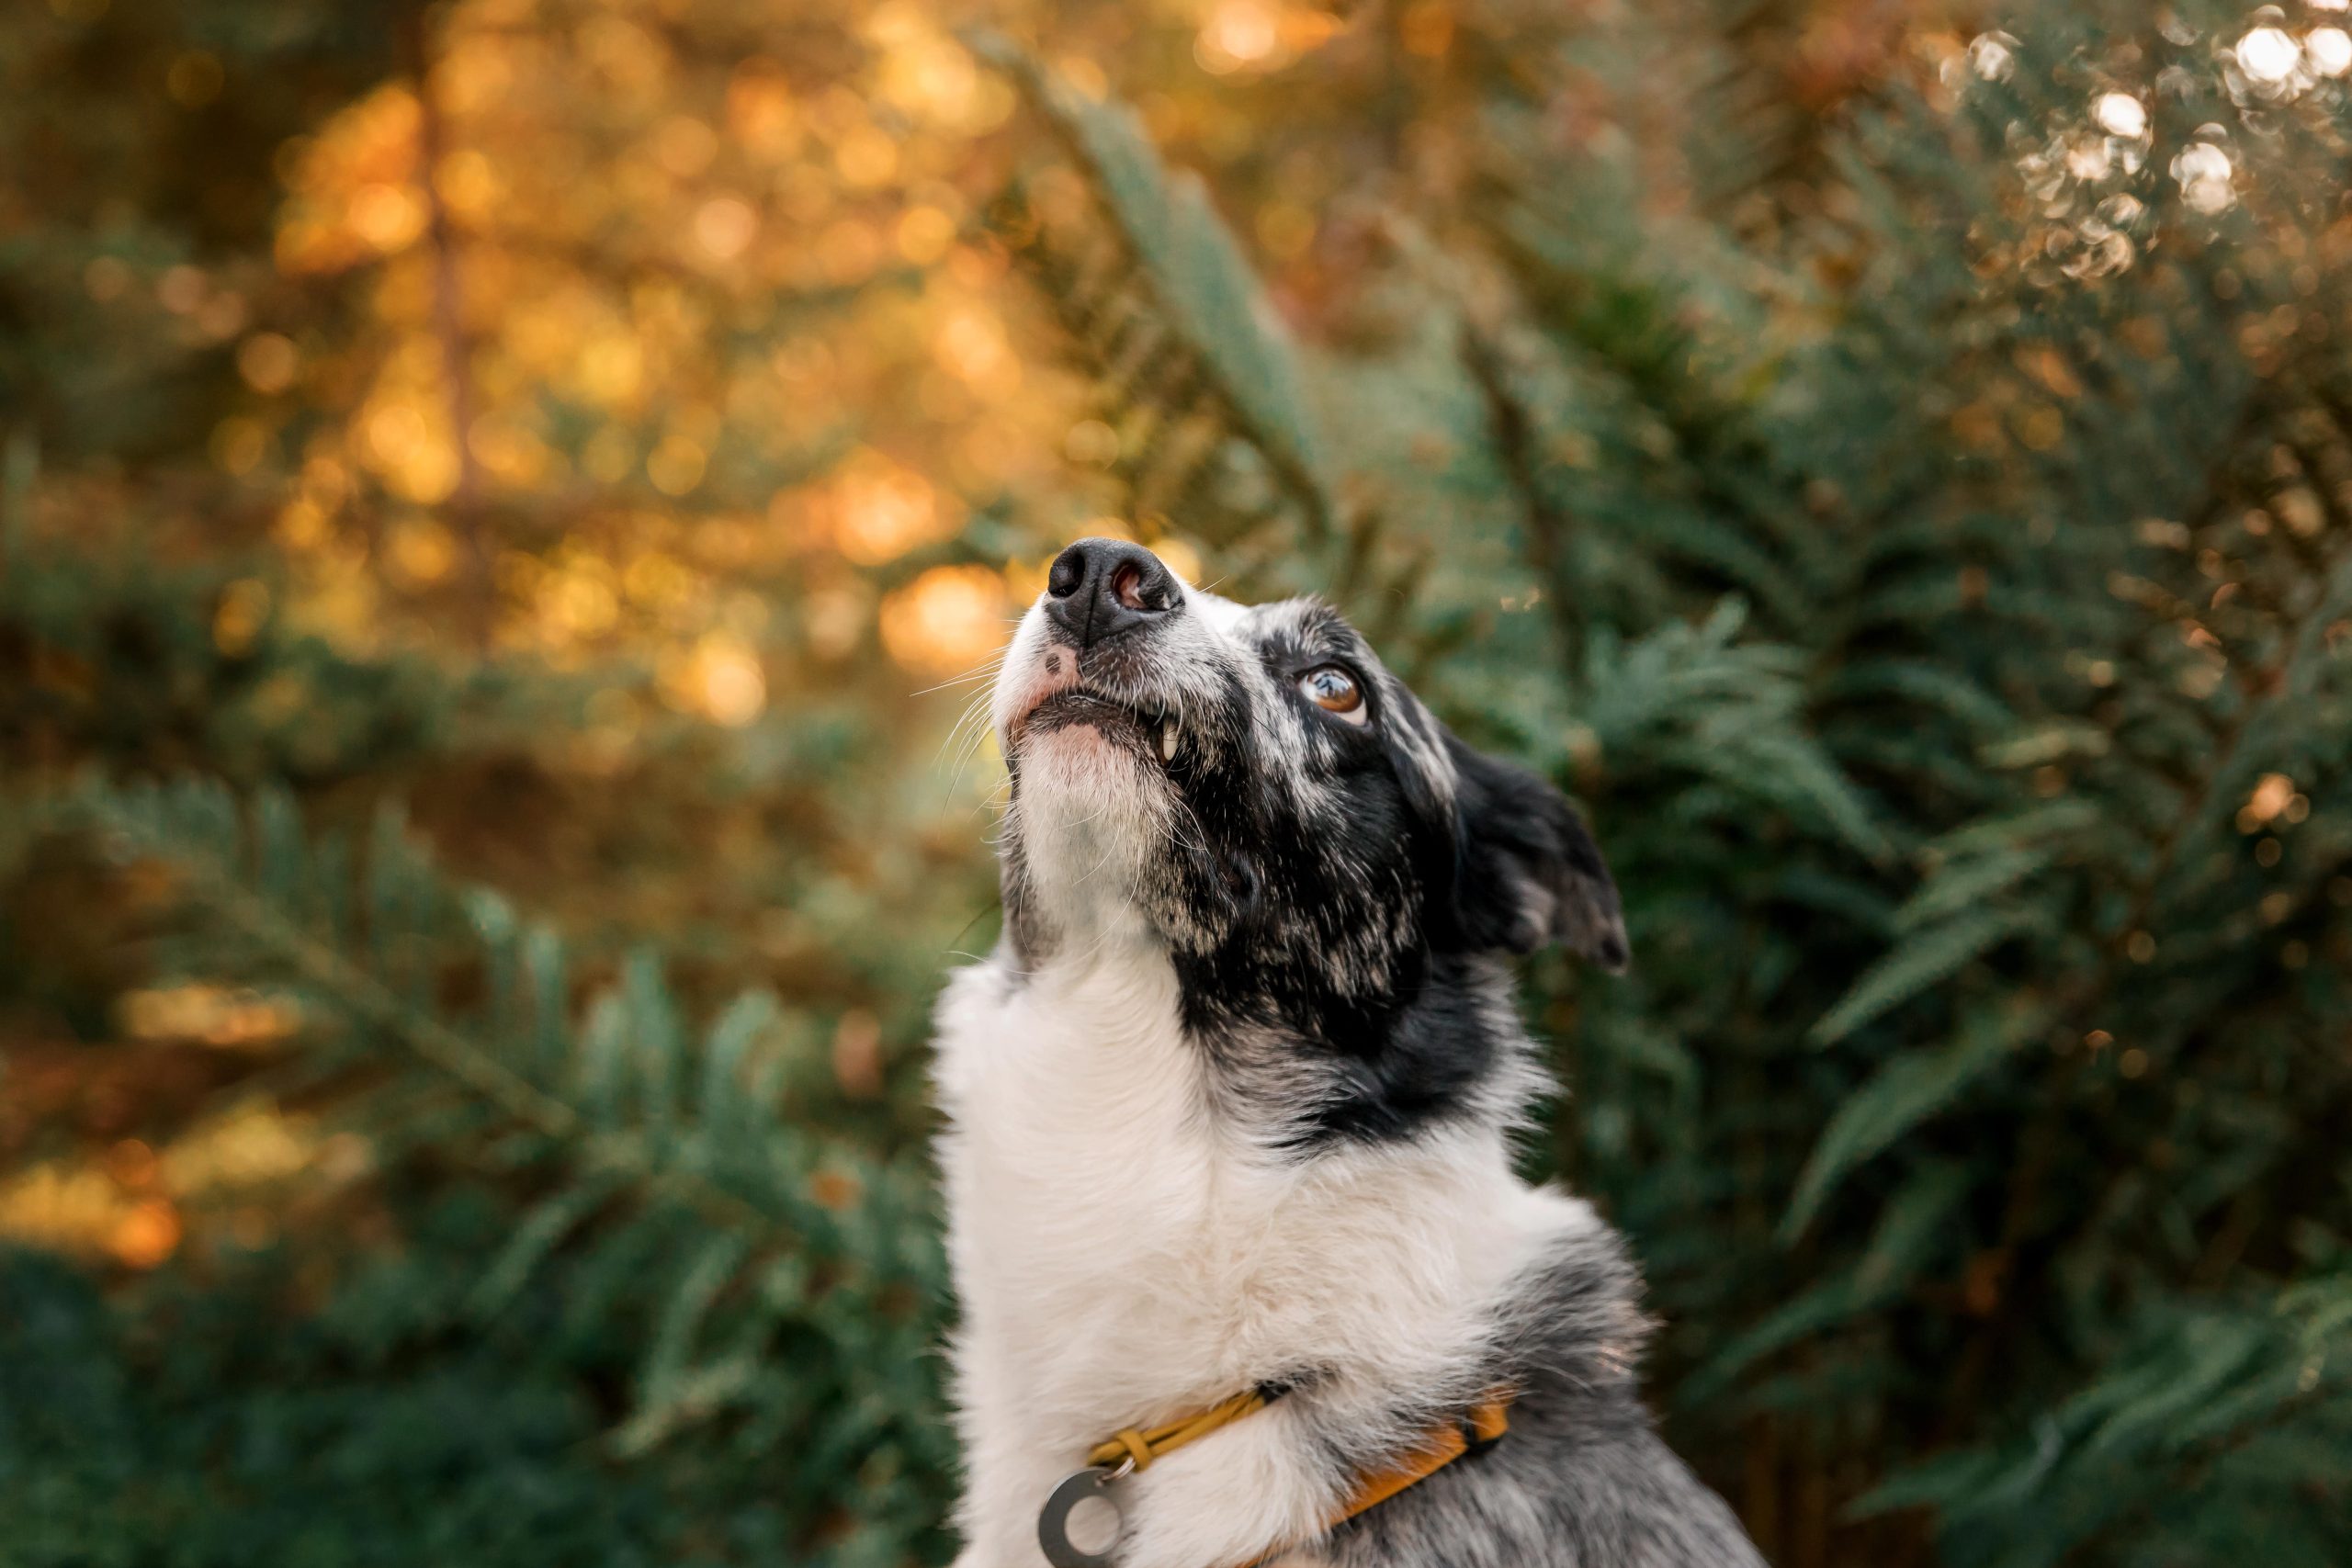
(1229, 1107)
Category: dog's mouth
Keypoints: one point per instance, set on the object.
(1149, 730)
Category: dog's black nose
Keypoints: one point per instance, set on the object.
(1099, 588)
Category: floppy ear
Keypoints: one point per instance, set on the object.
(1527, 874)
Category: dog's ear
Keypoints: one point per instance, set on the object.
(1527, 875)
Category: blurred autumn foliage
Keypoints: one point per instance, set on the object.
(503, 501)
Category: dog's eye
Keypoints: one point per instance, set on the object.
(1333, 690)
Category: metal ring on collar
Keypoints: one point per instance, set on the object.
(1053, 1519)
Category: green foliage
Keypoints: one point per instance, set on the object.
(777, 1283)
(1190, 281)
(2244, 1406)
(1194, 369)
(184, 1426)
(118, 184)
(120, 658)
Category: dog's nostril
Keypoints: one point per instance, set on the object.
(1068, 572)
(1127, 586)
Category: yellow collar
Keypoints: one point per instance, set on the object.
(1135, 1449)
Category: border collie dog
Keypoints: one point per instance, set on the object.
(1231, 1109)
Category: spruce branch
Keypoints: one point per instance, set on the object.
(2236, 756)
(364, 998)
(1166, 301)
(1543, 523)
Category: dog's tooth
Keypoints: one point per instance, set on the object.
(1168, 742)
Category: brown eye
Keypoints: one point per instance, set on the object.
(1333, 690)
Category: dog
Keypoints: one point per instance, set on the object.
(1228, 1110)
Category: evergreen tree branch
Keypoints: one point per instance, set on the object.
(366, 999)
(1543, 524)
(1191, 311)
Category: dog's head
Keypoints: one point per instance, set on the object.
(1251, 788)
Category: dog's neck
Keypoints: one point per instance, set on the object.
(1119, 1163)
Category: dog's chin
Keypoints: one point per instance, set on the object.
(1140, 732)
(1095, 806)
(1092, 757)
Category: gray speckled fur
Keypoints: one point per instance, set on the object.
(1582, 1479)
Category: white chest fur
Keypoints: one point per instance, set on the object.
(1124, 1252)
